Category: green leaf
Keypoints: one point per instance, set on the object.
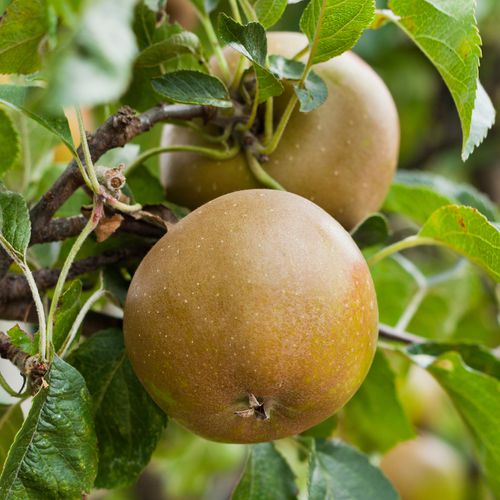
(376, 406)
(394, 287)
(371, 231)
(269, 12)
(67, 311)
(95, 65)
(144, 25)
(322, 430)
(18, 98)
(269, 85)
(145, 187)
(159, 52)
(11, 420)
(334, 26)
(483, 118)
(128, 423)
(339, 472)
(468, 232)
(206, 6)
(418, 194)
(250, 40)
(475, 396)
(25, 341)
(314, 91)
(54, 454)
(313, 94)
(15, 224)
(286, 69)
(266, 477)
(22, 30)
(155, 5)
(193, 87)
(186, 61)
(9, 143)
(68, 12)
(447, 34)
(476, 356)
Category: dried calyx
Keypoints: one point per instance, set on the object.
(257, 409)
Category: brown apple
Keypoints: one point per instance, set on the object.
(253, 318)
(342, 155)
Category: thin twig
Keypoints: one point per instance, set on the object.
(391, 333)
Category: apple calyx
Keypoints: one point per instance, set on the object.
(257, 409)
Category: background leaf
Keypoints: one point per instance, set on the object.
(338, 471)
(67, 311)
(193, 87)
(173, 46)
(205, 6)
(371, 231)
(467, 232)
(476, 356)
(15, 225)
(374, 417)
(447, 34)
(9, 143)
(418, 194)
(95, 64)
(322, 430)
(22, 29)
(54, 454)
(128, 422)
(18, 98)
(475, 396)
(266, 477)
(11, 420)
(334, 26)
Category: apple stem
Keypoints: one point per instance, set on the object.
(215, 154)
(260, 174)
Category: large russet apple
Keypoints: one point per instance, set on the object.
(253, 318)
(342, 155)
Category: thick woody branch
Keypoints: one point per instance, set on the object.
(15, 287)
(24, 310)
(66, 227)
(12, 353)
(117, 131)
(32, 368)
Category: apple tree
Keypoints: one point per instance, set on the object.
(333, 318)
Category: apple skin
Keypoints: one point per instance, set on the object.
(342, 155)
(426, 468)
(257, 292)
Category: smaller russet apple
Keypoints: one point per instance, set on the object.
(342, 155)
(426, 468)
(253, 318)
